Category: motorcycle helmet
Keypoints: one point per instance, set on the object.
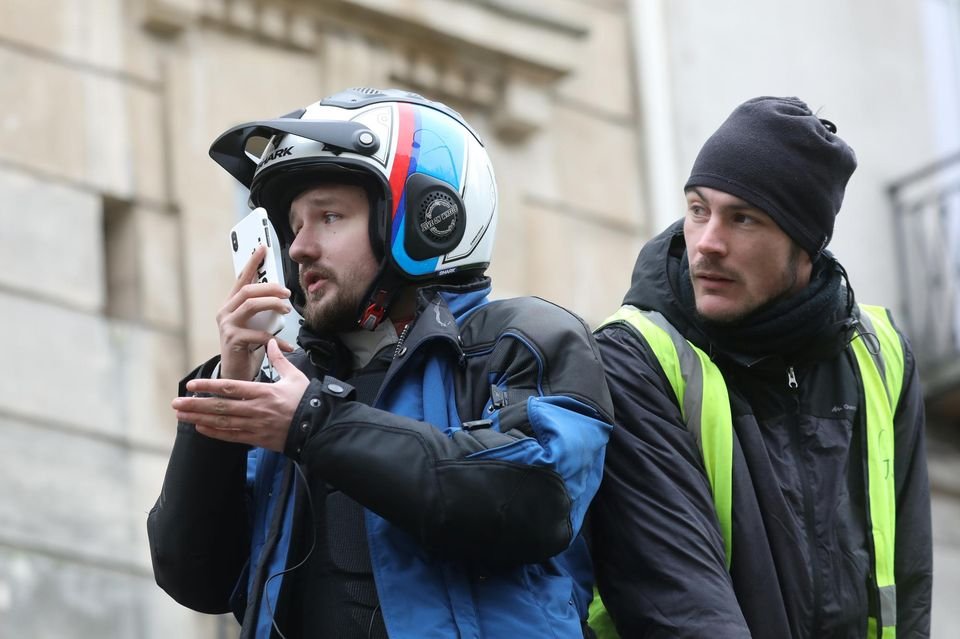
(427, 175)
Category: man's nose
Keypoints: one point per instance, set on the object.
(304, 249)
(713, 238)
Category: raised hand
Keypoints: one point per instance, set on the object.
(254, 413)
(240, 354)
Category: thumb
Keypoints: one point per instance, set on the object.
(279, 362)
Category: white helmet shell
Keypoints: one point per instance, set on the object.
(436, 196)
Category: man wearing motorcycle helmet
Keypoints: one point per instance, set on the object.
(423, 465)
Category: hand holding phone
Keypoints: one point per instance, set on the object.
(250, 233)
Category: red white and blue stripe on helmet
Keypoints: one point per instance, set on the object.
(428, 142)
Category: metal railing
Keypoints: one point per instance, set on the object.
(926, 206)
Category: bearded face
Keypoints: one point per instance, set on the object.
(332, 248)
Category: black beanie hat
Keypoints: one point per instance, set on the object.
(777, 155)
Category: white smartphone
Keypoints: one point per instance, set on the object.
(249, 233)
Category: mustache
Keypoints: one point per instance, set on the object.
(316, 273)
(707, 266)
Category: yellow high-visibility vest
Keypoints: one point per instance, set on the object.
(701, 393)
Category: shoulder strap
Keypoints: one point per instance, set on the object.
(880, 359)
(888, 354)
(701, 394)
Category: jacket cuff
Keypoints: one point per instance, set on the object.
(312, 412)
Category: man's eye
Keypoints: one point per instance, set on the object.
(328, 218)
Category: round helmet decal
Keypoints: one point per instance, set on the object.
(438, 215)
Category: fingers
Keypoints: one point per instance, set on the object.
(222, 388)
(218, 422)
(238, 341)
(213, 422)
(248, 274)
(246, 287)
(217, 412)
(280, 363)
(252, 413)
(250, 299)
(231, 430)
(285, 346)
(223, 434)
(250, 307)
(234, 318)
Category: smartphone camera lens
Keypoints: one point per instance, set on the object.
(233, 236)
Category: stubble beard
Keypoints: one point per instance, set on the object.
(335, 312)
(789, 276)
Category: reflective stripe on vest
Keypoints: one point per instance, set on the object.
(687, 368)
(701, 394)
(706, 411)
(881, 368)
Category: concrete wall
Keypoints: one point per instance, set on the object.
(860, 64)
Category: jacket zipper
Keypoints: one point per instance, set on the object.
(401, 349)
(791, 379)
(808, 499)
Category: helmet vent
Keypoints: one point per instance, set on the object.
(438, 215)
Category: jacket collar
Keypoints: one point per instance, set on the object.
(440, 306)
(440, 310)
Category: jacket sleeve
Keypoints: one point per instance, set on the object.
(509, 484)
(913, 564)
(658, 550)
(199, 528)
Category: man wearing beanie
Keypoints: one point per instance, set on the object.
(766, 476)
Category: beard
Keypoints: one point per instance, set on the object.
(334, 311)
(789, 276)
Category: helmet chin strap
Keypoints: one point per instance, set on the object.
(379, 297)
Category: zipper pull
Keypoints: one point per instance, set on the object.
(401, 350)
(791, 378)
(498, 398)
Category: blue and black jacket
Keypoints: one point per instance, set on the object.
(475, 465)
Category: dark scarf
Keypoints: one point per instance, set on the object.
(327, 353)
(792, 328)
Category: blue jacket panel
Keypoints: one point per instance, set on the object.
(476, 464)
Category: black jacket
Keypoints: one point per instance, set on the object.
(475, 463)
(800, 565)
